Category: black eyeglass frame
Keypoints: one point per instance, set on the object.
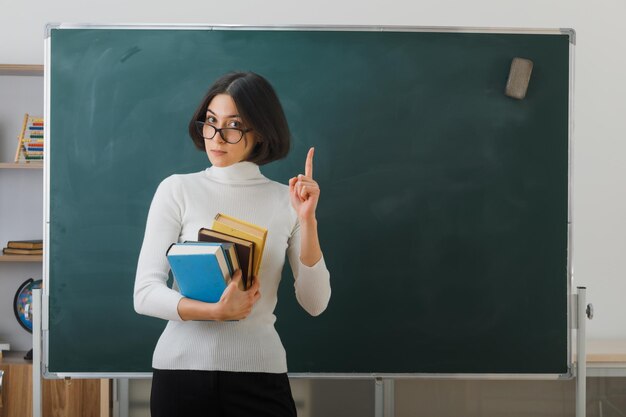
(200, 127)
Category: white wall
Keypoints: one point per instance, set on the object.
(599, 195)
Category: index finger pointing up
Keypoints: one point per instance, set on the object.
(308, 166)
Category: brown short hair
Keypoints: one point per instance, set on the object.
(260, 109)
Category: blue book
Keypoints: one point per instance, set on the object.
(201, 270)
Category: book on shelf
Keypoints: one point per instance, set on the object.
(201, 270)
(243, 230)
(25, 244)
(30, 142)
(244, 250)
(15, 251)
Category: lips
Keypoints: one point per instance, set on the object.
(217, 152)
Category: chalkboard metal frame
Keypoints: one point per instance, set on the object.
(46, 278)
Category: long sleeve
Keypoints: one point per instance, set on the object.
(152, 296)
(312, 283)
(182, 205)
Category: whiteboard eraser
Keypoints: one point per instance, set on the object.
(519, 77)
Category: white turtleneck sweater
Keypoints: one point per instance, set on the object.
(181, 206)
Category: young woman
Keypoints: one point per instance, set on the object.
(226, 358)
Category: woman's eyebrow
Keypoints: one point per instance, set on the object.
(227, 117)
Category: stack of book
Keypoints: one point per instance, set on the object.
(203, 269)
(23, 247)
(30, 146)
(249, 240)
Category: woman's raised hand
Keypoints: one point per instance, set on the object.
(304, 191)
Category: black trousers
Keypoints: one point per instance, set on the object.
(220, 394)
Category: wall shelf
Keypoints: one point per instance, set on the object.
(21, 165)
(11, 69)
(21, 258)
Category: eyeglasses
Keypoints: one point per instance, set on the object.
(230, 135)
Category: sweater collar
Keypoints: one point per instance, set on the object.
(238, 173)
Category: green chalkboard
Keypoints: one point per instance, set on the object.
(444, 209)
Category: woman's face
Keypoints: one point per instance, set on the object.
(222, 113)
